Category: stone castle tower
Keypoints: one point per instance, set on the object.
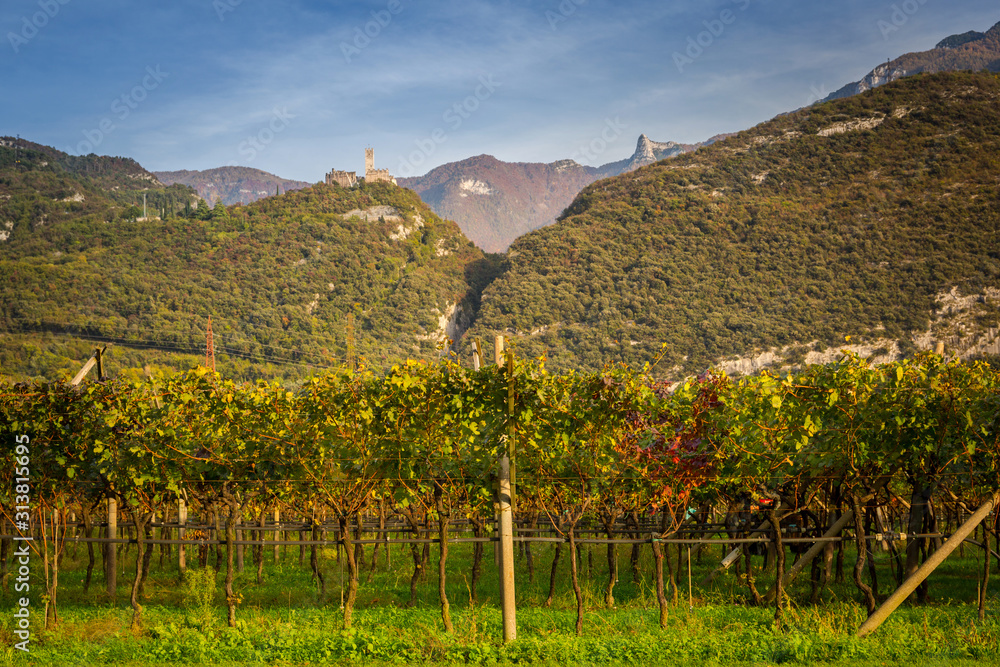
(348, 179)
(373, 175)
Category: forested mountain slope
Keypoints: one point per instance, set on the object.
(874, 217)
(278, 277)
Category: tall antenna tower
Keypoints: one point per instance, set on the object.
(350, 341)
(210, 348)
(17, 154)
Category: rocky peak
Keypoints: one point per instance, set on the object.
(644, 149)
(969, 51)
(648, 151)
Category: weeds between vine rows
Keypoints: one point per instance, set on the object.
(284, 622)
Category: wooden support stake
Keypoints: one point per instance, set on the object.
(182, 515)
(734, 555)
(83, 371)
(239, 538)
(277, 534)
(808, 556)
(511, 445)
(507, 599)
(935, 559)
(498, 361)
(111, 549)
(690, 590)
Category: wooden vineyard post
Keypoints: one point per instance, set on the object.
(239, 538)
(935, 559)
(505, 522)
(511, 449)
(182, 514)
(507, 600)
(111, 549)
(498, 345)
(734, 555)
(277, 534)
(96, 360)
(813, 552)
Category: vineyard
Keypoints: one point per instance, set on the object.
(767, 478)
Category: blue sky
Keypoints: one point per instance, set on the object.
(297, 88)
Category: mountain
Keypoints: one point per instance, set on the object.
(646, 152)
(873, 217)
(495, 202)
(279, 277)
(232, 185)
(59, 187)
(970, 51)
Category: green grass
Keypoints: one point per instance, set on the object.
(285, 622)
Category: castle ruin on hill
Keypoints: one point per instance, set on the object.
(348, 179)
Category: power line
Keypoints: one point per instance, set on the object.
(184, 349)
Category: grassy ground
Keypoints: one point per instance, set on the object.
(285, 622)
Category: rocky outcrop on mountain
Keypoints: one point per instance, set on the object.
(647, 151)
(969, 51)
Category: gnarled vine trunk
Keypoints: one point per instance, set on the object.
(352, 568)
(443, 543)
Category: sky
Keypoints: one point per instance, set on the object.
(300, 87)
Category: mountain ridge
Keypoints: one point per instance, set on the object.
(495, 202)
(231, 185)
(969, 51)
